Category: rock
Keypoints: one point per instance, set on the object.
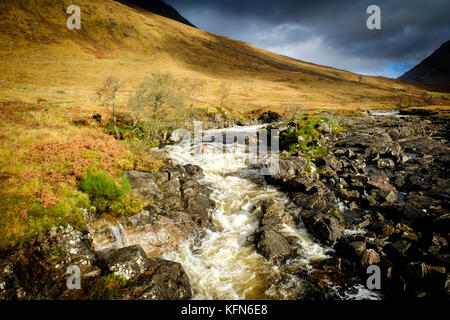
(388, 196)
(358, 246)
(161, 280)
(385, 163)
(272, 245)
(326, 228)
(145, 184)
(323, 128)
(38, 271)
(328, 265)
(352, 194)
(180, 205)
(295, 174)
(273, 214)
(126, 262)
(194, 171)
(398, 248)
(369, 257)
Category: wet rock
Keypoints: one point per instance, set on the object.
(194, 171)
(273, 214)
(180, 205)
(369, 257)
(325, 228)
(358, 246)
(272, 245)
(38, 271)
(161, 280)
(126, 262)
(295, 174)
(328, 265)
(385, 163)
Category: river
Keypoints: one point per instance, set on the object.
(222, 262)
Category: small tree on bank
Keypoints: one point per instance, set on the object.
(107, 96)
(150, 105)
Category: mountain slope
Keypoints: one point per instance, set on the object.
(42, 59)
(434, 69)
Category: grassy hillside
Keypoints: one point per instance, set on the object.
(42, 59)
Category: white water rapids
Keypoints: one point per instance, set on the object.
(223, 262)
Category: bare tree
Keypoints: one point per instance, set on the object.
(151, 102)
(194, 85)
(224, 94)
(107, 95)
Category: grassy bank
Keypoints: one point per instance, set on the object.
(45, 152)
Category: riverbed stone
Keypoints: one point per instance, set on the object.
(272, 244)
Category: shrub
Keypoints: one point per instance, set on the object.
(103, 190)
(269, 117)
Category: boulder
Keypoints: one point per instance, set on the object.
(385, 163)
(358, 246)
(295, 174)
(369, 257)
(272, 245)
(126, 262)
(324, 227)
(161, 280)
(39, 270)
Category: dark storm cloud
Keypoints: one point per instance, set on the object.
(331, 33)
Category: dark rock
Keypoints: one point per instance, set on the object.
(194, 171)
(272, 245)
(359, 247)
(161, 280)
(295, 174)
(38, 271)
(126, 262)
(145, 184)
(328, 265)
(326, 228)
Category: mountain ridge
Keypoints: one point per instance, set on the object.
(159, 7)
(435, 69)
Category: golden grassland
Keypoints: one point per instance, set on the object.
(42, 59)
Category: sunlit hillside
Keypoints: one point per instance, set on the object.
(42, 59)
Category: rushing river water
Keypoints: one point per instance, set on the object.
(222, 263)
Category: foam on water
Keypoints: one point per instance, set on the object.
(223, 263)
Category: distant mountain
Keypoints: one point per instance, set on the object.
(434, 70)
(159, 7)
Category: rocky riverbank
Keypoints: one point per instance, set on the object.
(112, 268)
(380, 196)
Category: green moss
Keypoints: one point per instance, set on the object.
(106, 287)
(335, 213)
(389, 230)
(304, 138)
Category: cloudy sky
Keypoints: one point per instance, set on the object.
(331, 33)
